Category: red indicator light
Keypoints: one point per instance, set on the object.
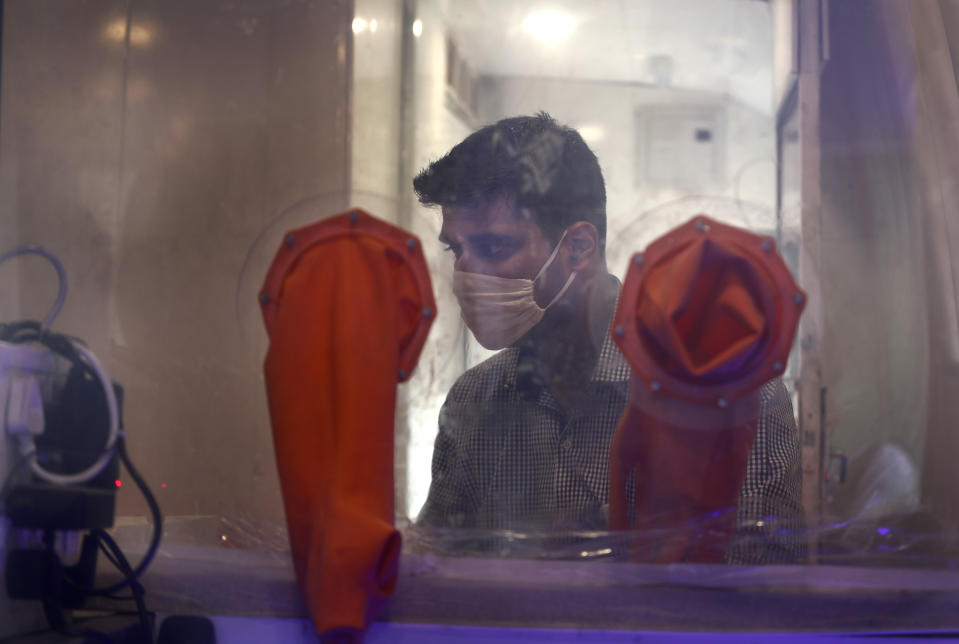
(162, 484)
(118, 482)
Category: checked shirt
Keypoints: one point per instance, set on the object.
(510, 458)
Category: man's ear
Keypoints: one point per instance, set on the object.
(582, 245)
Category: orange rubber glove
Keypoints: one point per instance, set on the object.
(707, 315)
(347, 304)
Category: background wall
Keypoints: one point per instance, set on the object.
(150, 159)
(610, 116)
(432, 127)
(378, 30)
(875, 357)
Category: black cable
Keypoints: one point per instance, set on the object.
(154, 540)
(151, 501)
(157, 524)
(24, 331)
(8, 482)
(52, 598)
(115, 555)
(135, 585)
(109, 555)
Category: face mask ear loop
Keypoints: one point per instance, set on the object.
(572, 276)
(549, 261)
(551, 257)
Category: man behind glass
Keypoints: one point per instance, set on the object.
(524, 437)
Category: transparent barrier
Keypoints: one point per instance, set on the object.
(163, 151)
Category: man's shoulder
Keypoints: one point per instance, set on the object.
(484, 381)
(774, 393)
(777, 418)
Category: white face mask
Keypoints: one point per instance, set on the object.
(500, 310)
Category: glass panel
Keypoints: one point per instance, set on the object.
(676, 103)
(693, 288)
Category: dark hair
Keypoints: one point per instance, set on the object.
(545, 168)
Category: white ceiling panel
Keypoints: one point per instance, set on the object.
(723, 46)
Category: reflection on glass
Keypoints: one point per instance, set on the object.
(526, 437)
(166, 170)
(677, 109)
(549, 25)
(140, 35)
(686, 114)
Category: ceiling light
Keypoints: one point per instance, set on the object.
(592, 133)
(359, 24)
(117, 30)
(417, 27)
(549, 25)
(139, 34)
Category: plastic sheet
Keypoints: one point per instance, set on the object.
(907, 541)
(913, 540)
(445, 580)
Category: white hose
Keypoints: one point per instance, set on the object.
(97, 467)
(61, 277)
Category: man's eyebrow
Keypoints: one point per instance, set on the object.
(479, 238)
(487, 236)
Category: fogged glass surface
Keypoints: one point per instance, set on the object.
(690, 110)
(679, 115)
(162, 151)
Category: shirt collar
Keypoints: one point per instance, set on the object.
(611, 366)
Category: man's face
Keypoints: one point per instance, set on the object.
(493, 240)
